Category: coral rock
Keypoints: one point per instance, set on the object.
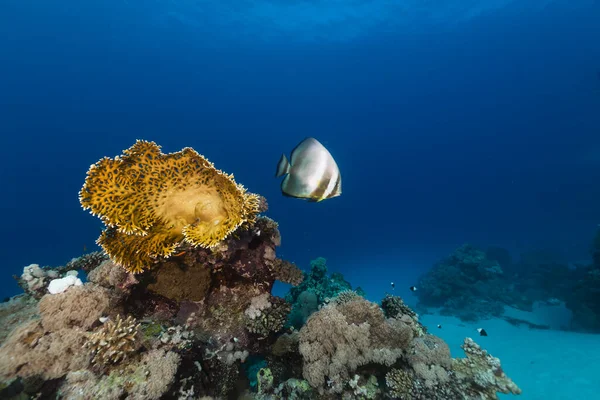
(177, 281)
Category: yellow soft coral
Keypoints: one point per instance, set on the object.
(151, 202)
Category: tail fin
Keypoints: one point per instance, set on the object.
(283, 166)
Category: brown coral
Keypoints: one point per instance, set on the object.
(148, 379)
(112, 276)
(178, 281)
(30, 351)
(80, 306)
(429, 350)
(285, 344)
(400, 384)
(151, 201)
(114, 341)
(338, 339)
(288, 272)
(17, 310)
(345, 296)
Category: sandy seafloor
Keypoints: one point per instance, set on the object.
(546, 364)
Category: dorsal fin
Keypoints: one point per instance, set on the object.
(283, 166)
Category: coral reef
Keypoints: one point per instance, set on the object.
(31, 350)
(394, 307)
(203, 319)
(368, 337)
(34, 280)
(150, 378)
(348, 349)
(80, 306)
(545, 277)
(114, 341)
(110, 275)
(316, 289)
(472, 285)
(483, 373)
(16, 311)
(467, 284)
(151, 201)
(435, 376)
(582, 297)
(267, 317)
(86, 262)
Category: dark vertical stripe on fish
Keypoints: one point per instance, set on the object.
(336, 188)
(320, 190)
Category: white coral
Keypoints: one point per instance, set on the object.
(61, 284)
(34, 276)
(257, 305)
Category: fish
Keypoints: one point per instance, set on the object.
(393, 285)
(482, 332)
(311, 173)
(413, 288)
(439, 326)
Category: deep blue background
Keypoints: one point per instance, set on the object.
(485, 131)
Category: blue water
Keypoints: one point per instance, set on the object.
(460, 121)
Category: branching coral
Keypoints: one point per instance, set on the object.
(287, 272)
(151, 201)
(404, 384)
(394, 307)
(434, 376)
(482, 372)
(345, 296)
(400, 384)
(268, 317)
(87, 262)
(114, 341)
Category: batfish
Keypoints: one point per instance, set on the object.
(311, 173)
